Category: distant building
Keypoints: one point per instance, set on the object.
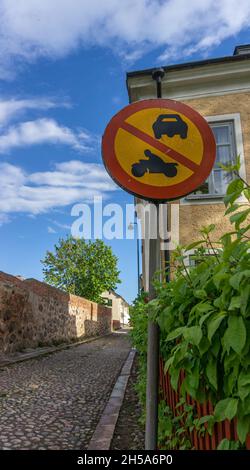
(120, 308)
(219, 89)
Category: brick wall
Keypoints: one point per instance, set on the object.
(33, 314)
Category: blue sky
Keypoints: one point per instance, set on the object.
(62, 77)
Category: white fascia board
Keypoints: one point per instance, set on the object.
(215, 79)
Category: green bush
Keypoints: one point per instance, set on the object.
(139, 324)
(204, 318)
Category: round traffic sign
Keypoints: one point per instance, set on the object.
(158, 149)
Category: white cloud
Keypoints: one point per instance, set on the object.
(60, 225)
(35, 28)
(12, 108)
(37, 193)
(43, 131)
(51, 230)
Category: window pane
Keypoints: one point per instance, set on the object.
(194, 260)
(221, 134)
(220, 181)
(203, 189)
(223, 154)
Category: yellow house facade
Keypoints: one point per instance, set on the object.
(219, 89)
(120, 309)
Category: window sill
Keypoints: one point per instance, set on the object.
(208, 199)
(203, 199)
(205, 196)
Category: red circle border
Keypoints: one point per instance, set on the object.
(146, 191)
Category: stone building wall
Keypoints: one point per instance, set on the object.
(34, 314)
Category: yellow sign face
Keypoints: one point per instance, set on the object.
(159, 149)
(129, 144)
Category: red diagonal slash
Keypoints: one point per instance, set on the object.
(160, 146)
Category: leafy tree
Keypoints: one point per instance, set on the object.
(82, 268)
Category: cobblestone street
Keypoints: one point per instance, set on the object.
(55, 402)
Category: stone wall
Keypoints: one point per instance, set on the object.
(34, 314)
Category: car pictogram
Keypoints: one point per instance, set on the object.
(170, 125)
(154, 164)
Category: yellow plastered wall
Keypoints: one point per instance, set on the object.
(193, 217)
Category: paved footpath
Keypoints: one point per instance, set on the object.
(55, 402)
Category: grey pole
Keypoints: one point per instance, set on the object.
(151, 435)
(152, 351)
(138, 254)
(135, 223)
(138, 263)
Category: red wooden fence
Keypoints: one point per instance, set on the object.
(225, 429)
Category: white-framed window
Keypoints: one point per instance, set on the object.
(193, 259)
(228, 137)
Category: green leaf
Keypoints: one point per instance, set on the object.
(214, 323)
(192, 380)
(246, 193)
(232, 167)
(245, 295)
(219, 303)
(224, 445)
(230, 361)
(193, 334)
(203, 345)
(219, 278)
(235, 335)
(204, 307)
(193, 245)
(230, 381)
(244, 384)
(205, 419)
(235, 185)
(179, 354)
(208, 229)
(235, 303)
(215, 346)
(174, 334)
(243, 425)
(200, 294)
(231, 198)
(232, 208)
(226, 409)
(236, 279)
(174, 374)
(168, 363)
(205, 317)
(211, 371)
(239, 217)
(246, 405)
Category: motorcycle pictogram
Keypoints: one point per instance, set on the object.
(154, 164)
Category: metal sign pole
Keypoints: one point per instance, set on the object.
(151, 435)
(124, 142)
(152, 350)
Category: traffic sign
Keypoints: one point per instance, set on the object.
(158, 149)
